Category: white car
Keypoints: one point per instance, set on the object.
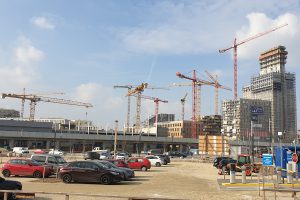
(122, 156)
(105, 155)
(155, 160)
(56, 152)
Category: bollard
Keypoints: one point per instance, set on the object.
(278, 170)
(243, 174)
(232, 173)
(289, 173)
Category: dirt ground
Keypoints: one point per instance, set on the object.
(177, 180)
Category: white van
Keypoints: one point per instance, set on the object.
(20, 150)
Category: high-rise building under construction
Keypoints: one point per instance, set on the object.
(279, 87)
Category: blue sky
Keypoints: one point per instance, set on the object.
(83, 48)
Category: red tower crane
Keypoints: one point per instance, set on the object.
(217, 85)
(234, 47)
(196, 82)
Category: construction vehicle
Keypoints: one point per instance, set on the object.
(242, 160)
(245, 160)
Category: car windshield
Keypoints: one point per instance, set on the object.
(60, 160)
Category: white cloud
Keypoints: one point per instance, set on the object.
(21, 71)
(287, 36)
(27, 53)
(43, 23)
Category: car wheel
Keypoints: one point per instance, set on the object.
(165, 163)
(105, 179)
(37, 174)
(67, 178)
(144, 168)
(6, 173)
(157, 164)
(12, 196)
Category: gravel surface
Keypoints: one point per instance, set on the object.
(178, 180)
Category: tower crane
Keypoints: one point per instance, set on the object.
(182, 100)
(36, 98)
(129, 87)
(138, 91)
(217, 85)
(156, 101)
(23, 101)
(195, 82)
(234, 47)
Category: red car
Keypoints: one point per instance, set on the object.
(39, 151)
(119, 163)
(139, 163)
(25, 167)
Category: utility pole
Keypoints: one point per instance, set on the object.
(115, 142)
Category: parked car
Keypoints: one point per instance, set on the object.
(122, 156)
(128, 173)
(92, 155)
(119, 163)
(155, 160)
(55, 161)
(88, 171)
(20, 151)
(225, 161)
(176, 154)
(139, 163)
(9, 185)
(105, 155)
(39, 151)
(166, 159)
(56, 152)
(25, 167)
(217, 160)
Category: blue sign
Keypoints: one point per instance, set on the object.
(257, 110)
(267, 160)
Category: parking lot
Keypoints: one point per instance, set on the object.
(181, 179)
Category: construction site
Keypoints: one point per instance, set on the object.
(267, 108)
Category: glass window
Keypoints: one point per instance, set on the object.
(39, 158)
(52, 160)
(74, 164)
(14, 162)
(23, 162)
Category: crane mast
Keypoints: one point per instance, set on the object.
(216, 85)
(156, 101)
(234, 47)
(182, 100)
(138, 91)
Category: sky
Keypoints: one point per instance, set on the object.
(84, 48)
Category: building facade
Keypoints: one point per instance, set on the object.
(180, 129)
(279, 87)
(246, 119)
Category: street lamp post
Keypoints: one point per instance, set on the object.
(115, 141)
(281, 150)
